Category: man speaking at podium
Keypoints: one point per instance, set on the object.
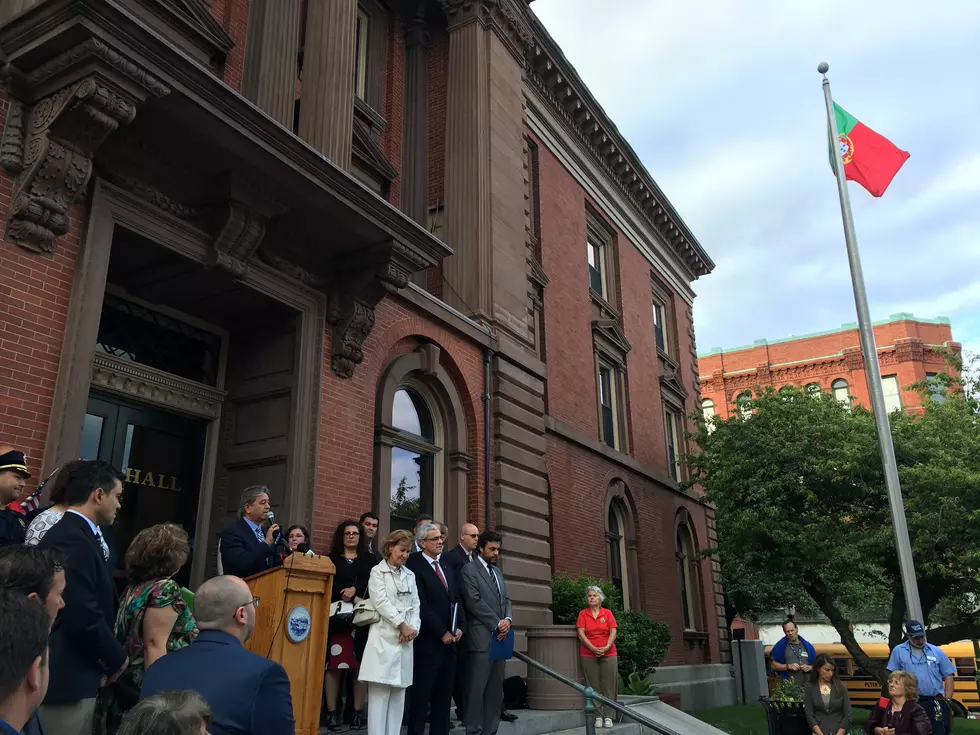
(246, 547)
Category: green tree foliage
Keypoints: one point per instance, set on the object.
(568, 596)
(641, 643)
(803, 517)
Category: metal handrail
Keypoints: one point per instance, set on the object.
(590, 694)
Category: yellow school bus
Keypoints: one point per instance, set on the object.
(865, 690)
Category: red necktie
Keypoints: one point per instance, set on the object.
(435, 565)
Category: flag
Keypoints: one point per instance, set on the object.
(33, 501)
(870, 159)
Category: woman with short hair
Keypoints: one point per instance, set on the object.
(902, 715)
(387, 666)
(153, 616)
(170, 713)
(600, 663)
(825, 699)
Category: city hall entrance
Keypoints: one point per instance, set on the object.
(161, 455)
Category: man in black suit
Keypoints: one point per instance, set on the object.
(454, 559)
(435, 646)
(246, 547)
(84, 651)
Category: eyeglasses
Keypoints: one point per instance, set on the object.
(434, 538)
(352, 534)
(254, 601)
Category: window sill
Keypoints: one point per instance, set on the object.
(694, 638)
(662, 354)
(599, 300)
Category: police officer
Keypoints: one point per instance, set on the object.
(13, 476)
(934, 671)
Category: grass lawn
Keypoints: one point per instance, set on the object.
(751, 720)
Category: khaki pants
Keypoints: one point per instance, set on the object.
(69, 718)
(602, 675)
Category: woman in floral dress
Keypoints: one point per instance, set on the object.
(153, 617)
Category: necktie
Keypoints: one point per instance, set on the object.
(493, 577)
(103, 544)
(259, 536)
(442, 578)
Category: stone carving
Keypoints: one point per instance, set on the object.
(292, 269)
(156, 387)
(238, 239)
(151, 194)
(52, 158)
(506, 16)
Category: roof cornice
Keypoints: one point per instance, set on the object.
(559, 84)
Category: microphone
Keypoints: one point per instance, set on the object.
(272, 521)
(304, 549)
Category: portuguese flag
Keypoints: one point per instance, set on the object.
(869, 159)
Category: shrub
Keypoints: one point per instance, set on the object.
(641, 643)
(568, 597)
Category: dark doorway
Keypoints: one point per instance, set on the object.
(161, 455)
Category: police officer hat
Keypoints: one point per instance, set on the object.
(14, 461)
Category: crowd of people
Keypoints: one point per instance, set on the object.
(76, 658)
(920, 683)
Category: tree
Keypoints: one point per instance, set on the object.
(803, 517)
(405, 502)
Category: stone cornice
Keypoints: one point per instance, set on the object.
(558, 83)
(507, 17)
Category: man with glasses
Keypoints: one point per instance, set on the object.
(247, 693)
(442, 628)
(934, 671)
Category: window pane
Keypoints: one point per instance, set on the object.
(91, 436)
(360, 54)
(893, 398)
(670, 429)
(658, 326)
(411, 487)
(605, 387)
(936, 388)
(682, 575)
(410, 413)
(842, 392)
(607, 406)
(813, 389)
(708, 408)
(595, 266)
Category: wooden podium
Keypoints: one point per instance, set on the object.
(291, 628)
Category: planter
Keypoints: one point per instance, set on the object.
(555, 646)
(785, 718)
(671, 698)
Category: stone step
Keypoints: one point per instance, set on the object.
(623, 728)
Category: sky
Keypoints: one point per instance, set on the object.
(722, 102)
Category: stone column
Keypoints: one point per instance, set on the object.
(326, 111)
(271, 50)
(415, 148)
(467, 162)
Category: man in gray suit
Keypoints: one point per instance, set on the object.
(488, 613)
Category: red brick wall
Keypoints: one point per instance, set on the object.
(579, 479)
(393, 94)
(346, 450)
(233, 17)
(34, 295)
(820, 359)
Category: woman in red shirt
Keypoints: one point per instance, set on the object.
(597, 633)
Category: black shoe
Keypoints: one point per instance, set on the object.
(358, 722)
(333, 720)
(506, 716)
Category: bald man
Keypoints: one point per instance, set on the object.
(248, 694)
(13, 477)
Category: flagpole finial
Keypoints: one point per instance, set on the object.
(823, 67)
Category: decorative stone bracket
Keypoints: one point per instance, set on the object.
(359, 283)
(50, 138)
(240, 219)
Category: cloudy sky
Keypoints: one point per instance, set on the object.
(722, 102)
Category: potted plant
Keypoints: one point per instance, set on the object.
(641, 644)
(557, 646)
(784, 709)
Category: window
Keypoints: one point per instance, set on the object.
(607, 407)
(616, 551)
(743, 402)
(688, 575)
(663, 316)
(893, 396)
(937, 387)
(673, 424)
(812, 389)
(412, 459)
(708, 411)
(660, 327)
(596, 270)
(842, 392)
(360, 54)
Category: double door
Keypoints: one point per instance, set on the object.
(161, 454)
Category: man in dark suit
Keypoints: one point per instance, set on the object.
(454, 559)
(84, 651)
(248, 694)
(435, 646)
(488, 612)
(246, 547)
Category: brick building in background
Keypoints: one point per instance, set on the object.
(910, 351)
(385, 254)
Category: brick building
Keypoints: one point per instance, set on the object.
(383, 254)
(909, 352)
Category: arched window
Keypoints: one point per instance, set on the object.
(420, 461)
(413, 452)
(842, 391)
(689, 575)
(743, 401)
(812, 389)
(621, 561)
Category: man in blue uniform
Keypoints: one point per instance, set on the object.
(13, 477)
(934, 671)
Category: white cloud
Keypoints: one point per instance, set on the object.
(722, 102)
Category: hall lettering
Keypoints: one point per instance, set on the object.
(159, 481)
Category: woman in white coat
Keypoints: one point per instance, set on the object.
(387, 662)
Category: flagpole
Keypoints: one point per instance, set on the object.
(894, 487)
